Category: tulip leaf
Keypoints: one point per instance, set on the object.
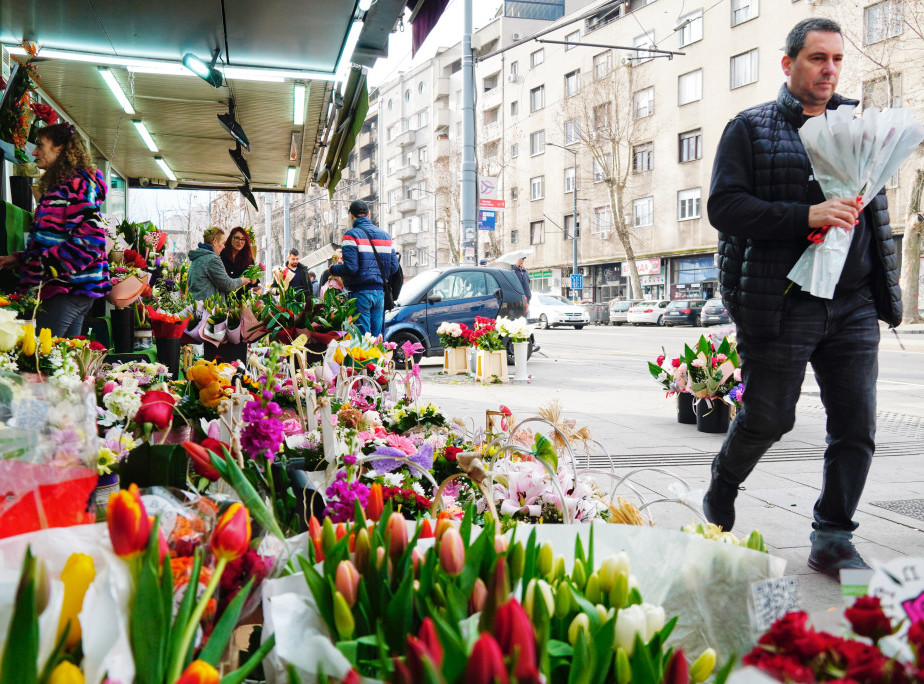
(249, 496)
(240, 674)
(559, 649)
(320, 590)
(529, 563)
(454, 651)
(400, 612)
(146, 625)
(185, 609)
(20, 656)
(465, 529)
(221, 635)
(722, 675)
(643, 669)
(602, 651)
(580, 670)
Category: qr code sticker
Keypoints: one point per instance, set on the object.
(771, 599)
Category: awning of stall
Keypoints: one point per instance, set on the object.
(267, 49)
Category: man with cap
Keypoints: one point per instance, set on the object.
(368, 260)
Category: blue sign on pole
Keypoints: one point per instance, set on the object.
(577, 281)
(486, 219)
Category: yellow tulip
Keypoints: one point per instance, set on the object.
(77, 574)
(45, 341)
(28, 339)
(66, 673)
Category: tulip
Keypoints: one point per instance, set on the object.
(678, 671)
(66, 672)
(328, 536)
(623, 669)
(516, 638)
(199, 672)
(340, 531)
(380, 557)
(201, 460)
(231, 536)
(28, 339)
(654, 620)
(452, 552)
(375, 503)
(478, 597)
(129, 525)
(581, 623)
(542, 588)
(592, 589)
(604, 613)
(486, 664)
(343, 616)
(396, 534)
(500, 544)
(416, 559)
(545, 560)
(563, 599)
(442, 525)
(428, 636)
(77, 575)
(516, 559)
(361, 550)
(424, 647)
(156, 408)
(703, 666)
(558, 569)
(45, 341)
(347, 581)
(630, 622)
(578, 574)
(620, 591)
(607, 574)
(426, 529)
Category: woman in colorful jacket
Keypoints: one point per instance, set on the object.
(66, 252)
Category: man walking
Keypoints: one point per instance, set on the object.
(764, 202)
(368, 260)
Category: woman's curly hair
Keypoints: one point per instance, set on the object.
(73, 159)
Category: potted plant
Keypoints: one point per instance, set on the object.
(455, 347)
(491, 355)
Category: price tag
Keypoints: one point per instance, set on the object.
(771, 599)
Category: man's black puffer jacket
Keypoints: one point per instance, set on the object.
(759, 204)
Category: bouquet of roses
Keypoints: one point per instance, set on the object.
(851, 157)
(485, 335)
(452, 335)
(672, 377)
(713, 372)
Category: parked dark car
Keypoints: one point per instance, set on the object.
(683, 312)
(714, 313)
(456, 294)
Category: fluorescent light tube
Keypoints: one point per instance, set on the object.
(364, 5)
(143, 132)
(116, 89)
(166, 169)
(290, 177)
(346, 57)
(196, 65)
(298, 104)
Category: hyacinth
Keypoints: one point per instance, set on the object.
(263, 434)
(341, 495)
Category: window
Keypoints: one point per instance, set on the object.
(515, 150)
(462, 285)
(390, 103)
(744, 69)
(514, 108)
(603, 221)
(536, 58)
(491, 149)
(514, 194)
(691, 145)
(742, 11)
(536, 143)
(514, 68)
(643, 157)
(490, 83)
(645, 40)
(601, 169)
(421, 118)
(569, 180)
(392, 227)
(535, 187)
(643, 212)
(573, 37)
(572, 83)
(422, 155)
(688, 204)
(882, 20)
(423, 257)
(536, 99)
(420, 87)
(394, 196)
(601, 116)
(690, 87)
(691, 28)
(876, 93)
(391, 165)
(569, 227)
(390, 132)
(536, 232)
(491, 115)
(602, 64)
(644, 102)
(572, 131)
(407, 95)
(514, 236)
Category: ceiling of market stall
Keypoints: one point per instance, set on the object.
(267, 47)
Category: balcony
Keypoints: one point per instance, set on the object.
(406, 172)
(406, 206)
(441, 88)
(491, 131)
(442, 147)
(441, 118)
(405, 139)
(366, 165)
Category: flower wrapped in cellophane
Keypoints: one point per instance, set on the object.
(851, 157)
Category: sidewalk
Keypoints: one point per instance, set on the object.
(638, 428)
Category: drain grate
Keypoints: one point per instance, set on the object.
(886, 421)
(913, 508)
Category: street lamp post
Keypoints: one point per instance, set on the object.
(574, 220)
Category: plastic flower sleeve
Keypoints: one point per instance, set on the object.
(851, 157)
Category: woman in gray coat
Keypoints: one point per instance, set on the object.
(207, 275)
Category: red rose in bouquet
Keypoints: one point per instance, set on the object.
(156, 408)
(133, 258)
(44, 112)
(867, 619)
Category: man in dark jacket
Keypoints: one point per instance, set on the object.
(764, 203)
(361, 272)
(523, 277)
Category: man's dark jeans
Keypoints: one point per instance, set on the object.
(840, 338)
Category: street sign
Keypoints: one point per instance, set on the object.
(486, 219)
(577, 281)
(492, 203)
(489, 196)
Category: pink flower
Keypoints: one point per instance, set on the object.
(697, 363)
(660, 359)
(736, 374)
(109, 387)
(291, 426)
(402, 443)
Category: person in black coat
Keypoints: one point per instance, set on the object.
(523, 277)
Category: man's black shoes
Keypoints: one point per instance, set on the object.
(832, 552)
(719, 503)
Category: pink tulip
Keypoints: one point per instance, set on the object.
(347, 581)
(486, 664)
(452, 552)
(396, 533)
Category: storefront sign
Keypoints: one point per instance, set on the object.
(645, 266)
(649, 280)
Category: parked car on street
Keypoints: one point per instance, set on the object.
(714, 313)
(456, 294)
(650, 312)
(551, 311)
(683, 312)
(619, 308)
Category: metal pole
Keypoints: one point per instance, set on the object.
(286, 235)
(574, 233)
(469, 232)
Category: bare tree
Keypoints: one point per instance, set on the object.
(911, 252)
(449, 202)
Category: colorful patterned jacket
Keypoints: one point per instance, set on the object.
(67, 245)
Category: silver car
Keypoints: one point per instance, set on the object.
(619, 308)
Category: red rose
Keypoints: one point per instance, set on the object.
(660, 359)
(812, 644)
(780, 667)
(867, 619)
(916, 640)
(97, 346)
(44, 112)
(676, 363)
(156, 408)
(863, 662)
(451, 452)
(785, 630)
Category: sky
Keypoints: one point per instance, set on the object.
(157, 205)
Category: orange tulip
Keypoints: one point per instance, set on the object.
(231, 537)
(376, 502)
(129, 525)
(426, 530)
(199, 672)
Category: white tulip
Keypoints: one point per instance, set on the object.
(630, 622)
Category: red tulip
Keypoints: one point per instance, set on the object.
(199, 455)
(156, 408)
(452, 552)
(199, 672)
(231, 536)
(426, 530)
(486, 664)
(396, 534)
(515, 636)
(129, 525)
(477, 599)
(678, 671)
(424, 646)
(162, 547)
(347, 581)
(376, 503)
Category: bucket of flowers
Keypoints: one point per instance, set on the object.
(517, 330)
(672, 377)
(455, 347)
(714, 380)
(491, 362)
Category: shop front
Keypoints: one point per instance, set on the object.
(610, 283)
(651, 277)
(694, 276)
(546, 280)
